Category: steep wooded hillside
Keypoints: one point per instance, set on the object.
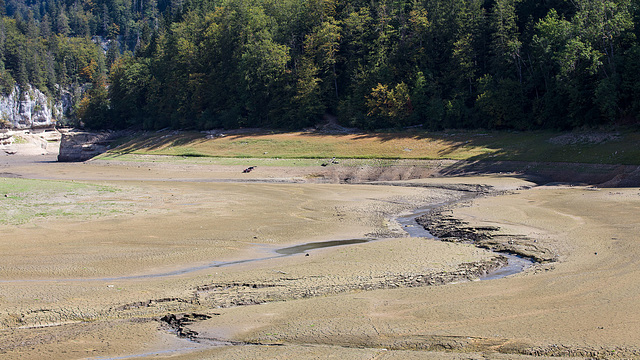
(200, 64)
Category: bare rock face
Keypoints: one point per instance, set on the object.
(81, 146)
(28, 108)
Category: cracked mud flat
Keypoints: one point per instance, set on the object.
(358, 301)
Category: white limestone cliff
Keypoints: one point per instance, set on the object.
(29, 108)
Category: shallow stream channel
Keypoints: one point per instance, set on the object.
(516, 264)
(408, 222)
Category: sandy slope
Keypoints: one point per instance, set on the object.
(585, 304)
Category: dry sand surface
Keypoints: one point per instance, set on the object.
(97, 286)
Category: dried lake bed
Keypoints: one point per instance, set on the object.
(98, 270)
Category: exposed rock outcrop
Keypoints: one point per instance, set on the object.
(81, 146)
(28, 108)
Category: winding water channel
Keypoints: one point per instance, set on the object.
(408, 222)
(515, 265)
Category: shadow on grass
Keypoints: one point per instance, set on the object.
(156, 141)
(531, 154)
(543, 173)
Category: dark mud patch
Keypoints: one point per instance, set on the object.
(178, 323)
(299, 249)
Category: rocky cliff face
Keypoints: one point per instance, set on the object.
(28, 108)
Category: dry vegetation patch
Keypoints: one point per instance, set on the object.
(22, 200)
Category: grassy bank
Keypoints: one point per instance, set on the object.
(619, 147)
(23, 200)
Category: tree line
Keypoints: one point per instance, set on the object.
(201, 64)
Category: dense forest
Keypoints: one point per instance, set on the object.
(202, 64)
